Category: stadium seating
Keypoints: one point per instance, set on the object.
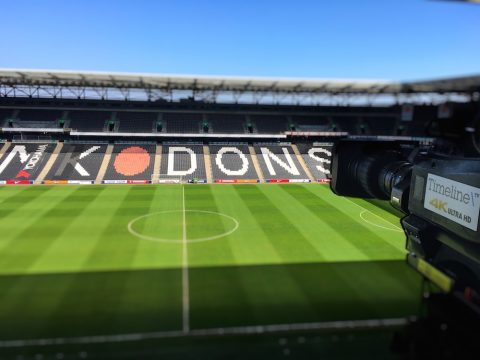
(5, 114)
(417, 127)
(227, 123)
(29, 118)
(311, 123)
(346, 123)
(183, 160)
(83, 120)
(317, 159)
(279, 162)
(231, 162)
(270, 124)
(136, 121)
(24, 161)
(131, 162)
(217, 123)
(182, 122)
(39, 115)
(380, 125)
(77, 162)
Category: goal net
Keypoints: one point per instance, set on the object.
(166, 179)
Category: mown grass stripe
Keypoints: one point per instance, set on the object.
(16, 218)
(114, 248)
(207, 291)
(355, 207)
(248, 243)
(287, 240)
(16, 199)
(25, 248)
(308, 216)
(155, 254)
(358, 233)
(200, 197)
(79, 235)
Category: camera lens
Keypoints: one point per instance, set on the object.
(377, 173)
(392, 174)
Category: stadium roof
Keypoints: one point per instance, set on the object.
(188, 82)
(38, 80)
(228, 83)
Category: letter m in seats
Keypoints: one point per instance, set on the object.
(21, 150)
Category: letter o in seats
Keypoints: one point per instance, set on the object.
(218, 159)
(131, 161)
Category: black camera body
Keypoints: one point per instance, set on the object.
(435, 182)
(439, 194)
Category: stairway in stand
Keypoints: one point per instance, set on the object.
(49, 163)
(4, 148)
(256, 164)
(208, 164)
(302, 162)
(105, 162)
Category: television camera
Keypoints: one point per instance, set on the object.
(437, 186)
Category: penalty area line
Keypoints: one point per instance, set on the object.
(366, 210)
(392, 228)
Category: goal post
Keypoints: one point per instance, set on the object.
(166, 179)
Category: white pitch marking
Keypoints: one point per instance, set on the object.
(361, 207)
(185, 280)
(395, 228)
(180, 241)
(240, 330)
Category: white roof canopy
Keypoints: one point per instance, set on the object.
(189, 82)
(40, 83)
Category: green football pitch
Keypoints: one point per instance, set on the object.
(79, 261)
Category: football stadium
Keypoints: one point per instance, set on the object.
(151, 211)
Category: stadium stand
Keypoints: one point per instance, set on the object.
(317, 158)
(183, 122)
(83, 120)
(5, 114)
(136, 121)
(29, 118)
(39, 115)
(346, 123)
(311, 123)
(270, 124)
(417, 125)
(362, 121)
(183, 160)
(77, 162)
(380, 125)
(24, 161)
(227, 123)
(279, 162)
(131, 162)
(231, 162)
(33, 124)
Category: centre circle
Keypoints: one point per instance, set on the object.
(197, 225)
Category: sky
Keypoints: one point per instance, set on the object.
(356, 39)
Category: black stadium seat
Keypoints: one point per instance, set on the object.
(83, 120)
(183, 122)
(227, 123)
(136, 121)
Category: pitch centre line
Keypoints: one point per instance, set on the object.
(185, 280)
